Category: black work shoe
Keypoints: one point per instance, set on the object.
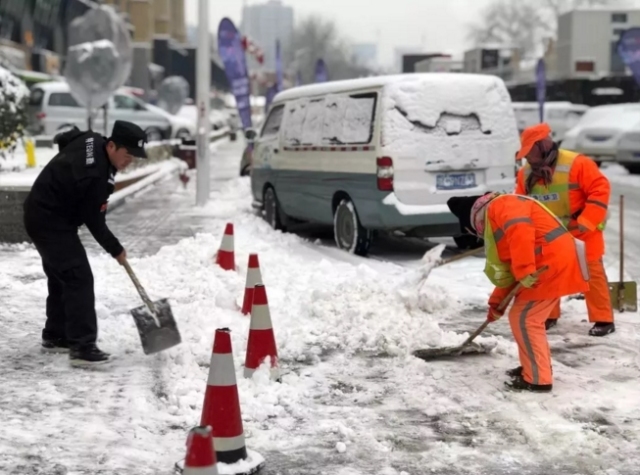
(515, 372)
(602, 329)
(57, 345)
(519, 384)
(87, 356)
(550, 323)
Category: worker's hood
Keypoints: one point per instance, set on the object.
(63, 139)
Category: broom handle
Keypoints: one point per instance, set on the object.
(139, 288)
(462, 255)
(505, 302)
(621, 284)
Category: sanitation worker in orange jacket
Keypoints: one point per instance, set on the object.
(573, 188)
(521, 236)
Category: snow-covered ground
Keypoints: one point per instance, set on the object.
(353, 400)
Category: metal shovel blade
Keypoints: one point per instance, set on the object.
(447, 352)
(156, 338)
(624, 296)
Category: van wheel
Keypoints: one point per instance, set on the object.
(465, 242)
(272, 212)
(349, 234)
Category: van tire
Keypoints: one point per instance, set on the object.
(467, 241)
(272, 213)
(349, 234)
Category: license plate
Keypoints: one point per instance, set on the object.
(455, 181)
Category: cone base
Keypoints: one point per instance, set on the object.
(252, 464)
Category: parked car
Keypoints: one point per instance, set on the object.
(598, 133)
(181, 127)
(628, 154)
(52, 109)
(561, 116)
(383, 154)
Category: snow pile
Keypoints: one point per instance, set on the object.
(450, 120)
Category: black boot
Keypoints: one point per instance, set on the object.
(519, 384)
(602, 329)
(515, 372)
(89, 355)
(550, 323)
(54, 345)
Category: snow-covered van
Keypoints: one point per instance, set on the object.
(383, 153)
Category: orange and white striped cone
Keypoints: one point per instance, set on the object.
(225, 256)
(221, 408)
(254, 277)
(201, 455)
(262, 341)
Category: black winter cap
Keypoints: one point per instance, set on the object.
(461, 206)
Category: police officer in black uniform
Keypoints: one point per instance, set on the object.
(72, 190)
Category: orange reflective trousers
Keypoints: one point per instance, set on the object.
(597, 297)
(527, 318)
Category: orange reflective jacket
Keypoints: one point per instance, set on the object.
(589, 193)
(528, 238)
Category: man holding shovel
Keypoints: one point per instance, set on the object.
(72, 190)
(574, 189)
(522, 237)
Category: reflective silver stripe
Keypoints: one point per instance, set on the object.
(211, 470)
(598, 203)
(515, 221)
(226, 444)
(563, 168)
(221, 370)
(522, 198)
(574, 186)
(538, 250)
(497, 235)
(554, 234)
(581, 251)
(527, 342)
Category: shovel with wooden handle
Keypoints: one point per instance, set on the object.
(157, 327)
(428, 354)
(624, 295)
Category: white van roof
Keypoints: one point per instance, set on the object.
(336, 87)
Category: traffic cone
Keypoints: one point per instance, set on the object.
(201, 456)
(221, 409)
(225, 257)
(254, 277)
(262, 342)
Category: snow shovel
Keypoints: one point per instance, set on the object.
(157, 327)
(467, 348)
(624, 295)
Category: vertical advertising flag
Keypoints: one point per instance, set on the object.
(322, 75)
(279, 72)
(298, 79)
(271, 93)
(235, 66)
(541, 87)
(629, 51)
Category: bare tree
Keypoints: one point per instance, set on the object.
(522, 25)
(314, 38)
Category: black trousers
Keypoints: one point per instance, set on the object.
(71, 314)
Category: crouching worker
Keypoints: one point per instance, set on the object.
(521, 236)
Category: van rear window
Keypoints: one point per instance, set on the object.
(36, 96)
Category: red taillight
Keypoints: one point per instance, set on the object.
(40, 115)
(385, 173)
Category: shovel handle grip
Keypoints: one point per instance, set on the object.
(139, 288)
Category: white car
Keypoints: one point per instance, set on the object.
(52, 109)
(561, 116)
(181, 127)
(598, 132)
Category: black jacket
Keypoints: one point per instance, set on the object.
(73, 189)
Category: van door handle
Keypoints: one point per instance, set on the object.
(275, 150)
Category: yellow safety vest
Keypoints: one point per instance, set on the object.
(499, 272)
(556, 195)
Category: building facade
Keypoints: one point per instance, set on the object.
(365, 54)
(587, 41)
(266, 23)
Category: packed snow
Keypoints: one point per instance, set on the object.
(353, 400)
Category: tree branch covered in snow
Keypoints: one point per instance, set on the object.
(316, 37)
(522, 25)
(13, 114)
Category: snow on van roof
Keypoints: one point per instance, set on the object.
(450, 81)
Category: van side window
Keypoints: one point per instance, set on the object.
(295, 117)
(312, 125)
(349, 119)
(273, 122)
(62, 99)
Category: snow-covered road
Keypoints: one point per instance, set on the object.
(353, 400)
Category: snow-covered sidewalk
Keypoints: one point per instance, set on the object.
(353, 400)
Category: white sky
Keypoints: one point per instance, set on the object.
(437, 25)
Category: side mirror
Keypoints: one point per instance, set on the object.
(250, 135)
